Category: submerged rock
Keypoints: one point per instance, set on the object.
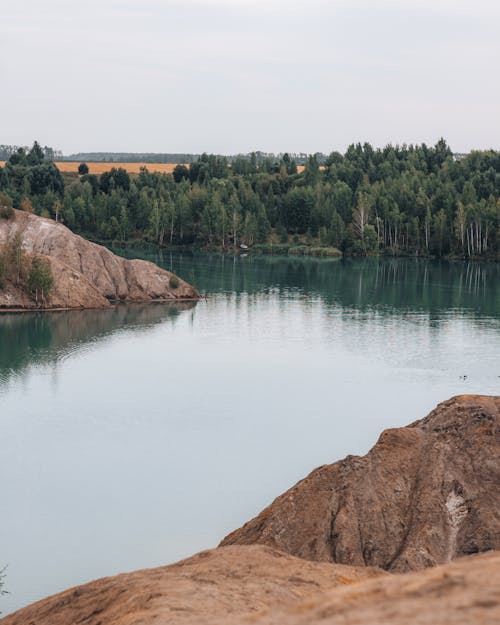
(424, 495)
(86, 275)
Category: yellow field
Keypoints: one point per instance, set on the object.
(100, 168)
(132, 168)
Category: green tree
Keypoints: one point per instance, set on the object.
(361, 214)
(15, 259)
(35, 155)
(6, 209)
(2, 268)
(180, 173)
(40, 279)
(439, 226)
(460, 223)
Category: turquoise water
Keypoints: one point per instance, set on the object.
(137, 436)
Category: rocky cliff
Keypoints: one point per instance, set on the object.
(86, 275)
(424, 495)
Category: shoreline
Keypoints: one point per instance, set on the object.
(265, 249)
(18, 309)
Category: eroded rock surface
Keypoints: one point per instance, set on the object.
(464, 592)
(86, 275)
(212, 587)
(424, 495)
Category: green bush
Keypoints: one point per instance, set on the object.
(6, 210)
(174, 282)
(40, 279)
(282, 234)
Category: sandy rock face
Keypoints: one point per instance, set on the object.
(464, 592)
(424, 495)
(71, 289)
(259, 585)
(212, 587)
(86, 274)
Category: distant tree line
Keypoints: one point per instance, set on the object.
(6, 151)
(400, 200)
(129, 157)
(156, 157)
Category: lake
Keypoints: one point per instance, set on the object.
(137, 436)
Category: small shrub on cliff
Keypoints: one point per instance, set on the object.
(40, 279)
(14, 259)
(174, 282)
(6, 210)
(2, 269)
(2, 578)
(26, 205)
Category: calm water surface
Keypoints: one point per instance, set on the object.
(137, 436)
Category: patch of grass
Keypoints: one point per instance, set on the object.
(268, 248)
(307, 250)
(297, 250)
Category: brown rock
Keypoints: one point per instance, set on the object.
(212, 587)
(424, 495)
(86, 275)
(465, 592)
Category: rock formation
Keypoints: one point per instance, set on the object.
(212, 587)
(424, 495)
(464, 592)
(259, 585)
(86, 275)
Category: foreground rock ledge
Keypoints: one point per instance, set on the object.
(424, 495)
(259, 585)
(464, 592)
(212, 587)
(86, 275)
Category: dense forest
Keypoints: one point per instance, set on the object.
(399, 200)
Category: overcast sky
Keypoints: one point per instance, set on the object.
(232, 76)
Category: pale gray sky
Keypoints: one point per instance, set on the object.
(233, 76)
